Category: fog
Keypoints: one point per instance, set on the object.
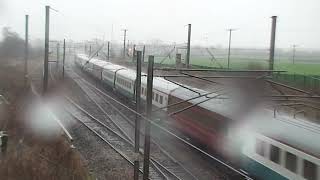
(12, 45)
(147, 20)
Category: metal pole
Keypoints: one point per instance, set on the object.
(134, 52)
(46, 52)
(293, 53)
(64, 56)
(146, 159)
(137, 121)
(108, 55)
(124, 43)
(272, 42)
(58, 53)
(143, 53)
(188, 45)
(178, 60)
(26, 51)
(90, 50)
(230, 32)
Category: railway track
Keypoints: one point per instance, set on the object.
(102, 118)
(160, 158)
(161, 161)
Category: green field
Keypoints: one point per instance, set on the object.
(297, 68)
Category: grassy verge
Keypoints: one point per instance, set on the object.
(298, 68)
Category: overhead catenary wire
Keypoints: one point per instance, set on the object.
(172, 134)
(182, 86)
(216, 70)
(180, 102)
(196, 104)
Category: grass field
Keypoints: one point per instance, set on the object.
(297, 68)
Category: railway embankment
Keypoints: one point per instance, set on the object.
(28, 154)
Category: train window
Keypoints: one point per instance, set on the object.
(275, 154)
(309, 170)
(142, 89)
(260, 147)
(291, 162)
(157, 97)
(161, 99)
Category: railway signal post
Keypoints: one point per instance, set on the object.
(137, 120)
(46, 52)
(146, 159)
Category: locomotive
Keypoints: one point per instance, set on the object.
(265, 145)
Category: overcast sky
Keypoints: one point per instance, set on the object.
(298, 20)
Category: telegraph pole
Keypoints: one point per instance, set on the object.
(146, 158)
(64, 56)
(124, 42)
(46, 51)
(272, 42)
(26, 52)
(137, 120)
(293, 53)
(230, 32)
(188, 46)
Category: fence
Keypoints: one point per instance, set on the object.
(307, 82)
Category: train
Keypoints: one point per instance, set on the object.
(262, 144)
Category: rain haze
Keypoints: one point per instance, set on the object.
(166, 20)
(160, 89)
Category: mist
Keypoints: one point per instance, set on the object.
(12, 45)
